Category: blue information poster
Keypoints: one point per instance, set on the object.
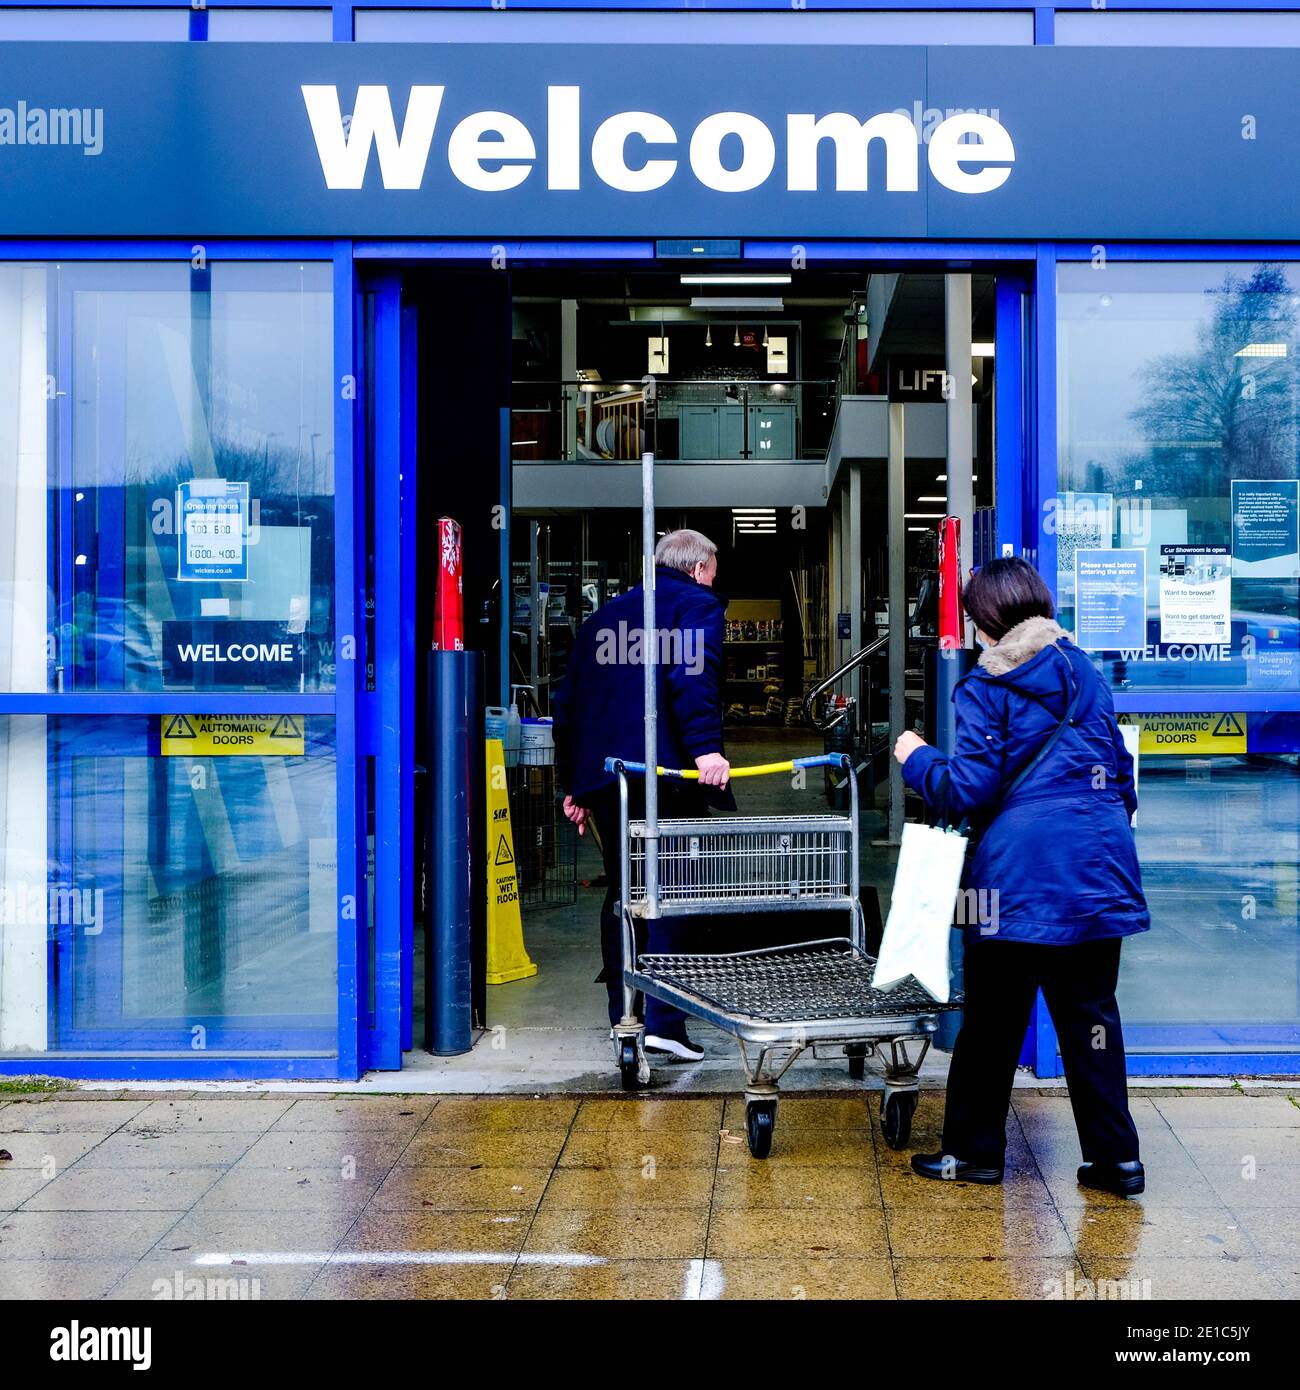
(1273, 656)
(212, 516)
(1265, 528)
(1110, 599)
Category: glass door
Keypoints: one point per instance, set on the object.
(191, 781)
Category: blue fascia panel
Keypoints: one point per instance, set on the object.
(959, 255)
(197, 1068)
(1205, 701)
(99, 249)
(1213, 1064)
(1178, 250)
(171, 702)
(504, 250)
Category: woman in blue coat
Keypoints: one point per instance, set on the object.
(1042, 776)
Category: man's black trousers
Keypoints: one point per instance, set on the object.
(668, 935)
(1078, 983)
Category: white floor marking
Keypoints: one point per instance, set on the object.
(704, 1279)
(392, 1257)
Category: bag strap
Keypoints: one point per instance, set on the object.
(1048, 744)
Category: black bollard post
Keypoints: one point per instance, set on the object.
(455, 716)
(944, 667)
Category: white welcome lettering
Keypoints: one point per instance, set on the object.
(968, 151)
(344, 154)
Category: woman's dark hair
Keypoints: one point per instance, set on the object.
(1006, 592)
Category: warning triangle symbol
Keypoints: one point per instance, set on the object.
(1229, 726)
(180, 727)
(503, 855)
(1123, 719)
(286, 727)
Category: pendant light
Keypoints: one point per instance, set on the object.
(765, 335)
(708, 336)
(735, 342)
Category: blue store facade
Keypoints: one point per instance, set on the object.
(209, 221)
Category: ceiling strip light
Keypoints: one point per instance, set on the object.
(722, 279)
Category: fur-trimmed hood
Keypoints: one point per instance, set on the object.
(1020, 644)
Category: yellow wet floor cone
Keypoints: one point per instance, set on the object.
(506, 957)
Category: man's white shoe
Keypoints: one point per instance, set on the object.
(683, 1049)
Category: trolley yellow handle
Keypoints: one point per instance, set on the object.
(755, 770)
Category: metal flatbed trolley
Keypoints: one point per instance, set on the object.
(775, 1002)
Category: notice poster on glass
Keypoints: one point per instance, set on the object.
(1110, 603)
(1265, 528)
(1273, 654)
(1195, 593)
(1084, 521)
(213, 541)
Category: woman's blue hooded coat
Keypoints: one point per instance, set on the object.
(1055, 861)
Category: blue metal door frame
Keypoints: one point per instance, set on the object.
(87, 692)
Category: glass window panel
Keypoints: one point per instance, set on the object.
(24, 876)
(171, 904)
(1174, 380)
(631, 27)
(269, 26)
(103, 22)
(1163, 29)
(200, 402)
(26, 602)
(1218, 840)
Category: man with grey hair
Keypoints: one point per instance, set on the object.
(600, 713)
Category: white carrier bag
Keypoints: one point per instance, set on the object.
(926, 883)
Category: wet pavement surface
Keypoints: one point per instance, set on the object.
(220, 1195)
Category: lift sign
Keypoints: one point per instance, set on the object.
(232, 735)
(1213, 732)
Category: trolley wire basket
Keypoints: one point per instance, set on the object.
(738, 861)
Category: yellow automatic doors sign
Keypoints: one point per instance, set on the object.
(1219, 731)
(232, 735)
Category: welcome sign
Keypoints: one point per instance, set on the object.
(504, 141)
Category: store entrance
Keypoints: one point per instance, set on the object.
(801, 426)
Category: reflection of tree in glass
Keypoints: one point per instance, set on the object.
(1215, 399)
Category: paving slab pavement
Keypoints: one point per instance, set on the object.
(275, 1196)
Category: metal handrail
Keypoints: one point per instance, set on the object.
(638, 383)
(857, 659)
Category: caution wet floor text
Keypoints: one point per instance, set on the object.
(507, 958)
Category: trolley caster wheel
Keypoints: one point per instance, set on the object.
(896, 1113)
(629, 1064)
(857, 1056)
(760, 1123)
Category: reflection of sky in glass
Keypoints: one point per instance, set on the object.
(1153, 311)
(270, 365)
(271, 331)
(179, 376)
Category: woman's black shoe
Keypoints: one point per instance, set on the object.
(1123, 1179)
(944, 1166)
